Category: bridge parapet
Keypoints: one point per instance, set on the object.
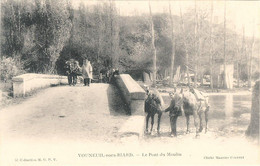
(26, 83)
(134, 97)
(132, 92)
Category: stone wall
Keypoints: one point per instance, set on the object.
(134, 97)
(26, 83)
(218, 76)
(132, 93)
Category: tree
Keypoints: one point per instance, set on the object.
(253, 128)
(173, 45)
(185, 48)
(52, 30)
(43, 34)
(225, 68)
(210, 51)
(110, 34)
(100, 36)
(196, 42)
(250, 61)
(13, 28)
(153, 46)
(115, 35)
(238, 58)
(135, 42)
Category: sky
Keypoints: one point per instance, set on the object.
(239, 14)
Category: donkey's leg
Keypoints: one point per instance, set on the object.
(147, 121)
(195, 117)
(152, 122)
(206, 119)
(188, 123)
(159, 121)
(201, 124)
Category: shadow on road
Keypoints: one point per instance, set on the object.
(117, 106)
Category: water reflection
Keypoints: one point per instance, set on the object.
(225, 105)
(229, 105)
(229, 114)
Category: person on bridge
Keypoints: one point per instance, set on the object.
(87, 72)
(75, 71)
(72, 69)
(68, 71)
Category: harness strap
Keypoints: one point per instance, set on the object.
(200, 106)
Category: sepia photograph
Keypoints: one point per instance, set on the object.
(129, 82)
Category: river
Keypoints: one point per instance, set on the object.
(229, 115)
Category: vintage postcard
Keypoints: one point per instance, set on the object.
(125, 82)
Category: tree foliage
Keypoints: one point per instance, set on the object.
(35, 31)
(43, 34)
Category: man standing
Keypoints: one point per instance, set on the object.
(68, 67)
(87, 72)
(75, 71)
(175, 110)
(72, 70)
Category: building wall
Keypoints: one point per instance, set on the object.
(218, 76)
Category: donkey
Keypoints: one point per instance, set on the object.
(196, 108)
(191, 106)
(153, 105)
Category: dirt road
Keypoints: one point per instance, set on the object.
(66, 112)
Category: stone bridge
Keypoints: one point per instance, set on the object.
(95, 113)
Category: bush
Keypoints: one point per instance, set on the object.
(9, 67)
